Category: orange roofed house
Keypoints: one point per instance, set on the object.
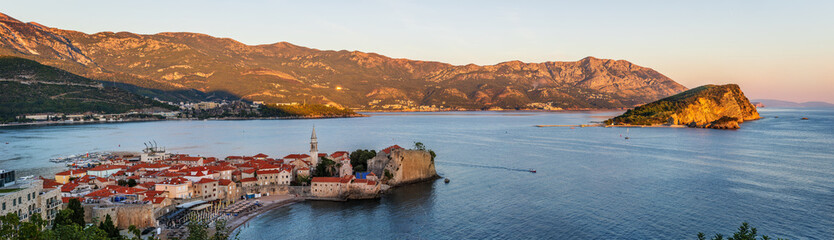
(176, 187)
(65, 176)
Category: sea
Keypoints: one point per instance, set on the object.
(776, 173)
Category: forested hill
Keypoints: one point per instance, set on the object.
(28, 87)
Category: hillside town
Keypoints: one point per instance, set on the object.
(161, 192)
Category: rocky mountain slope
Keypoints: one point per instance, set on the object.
(283, 72)
(709, 106)
(29, 87)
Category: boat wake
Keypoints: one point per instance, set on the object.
(485, 166)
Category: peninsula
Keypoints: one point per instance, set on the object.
(169, 192)
(708, 106)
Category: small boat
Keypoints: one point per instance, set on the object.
(533, 170)
(446, 180)
(626, 137)
(804, 118)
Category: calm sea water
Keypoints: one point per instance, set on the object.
(776, 173)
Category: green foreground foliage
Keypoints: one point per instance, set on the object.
(745, 232)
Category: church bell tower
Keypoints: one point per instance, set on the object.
(314, 148)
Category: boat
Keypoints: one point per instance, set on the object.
(533, 170)
(626, 137)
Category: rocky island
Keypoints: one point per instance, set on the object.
(708, 106)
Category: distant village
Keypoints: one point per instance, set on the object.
(157, 189)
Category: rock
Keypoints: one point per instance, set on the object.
(409, 166)
(709, 106)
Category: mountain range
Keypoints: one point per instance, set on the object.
(182, 66)
(788, 104)
(30, 87)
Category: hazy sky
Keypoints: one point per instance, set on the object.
(773, 49)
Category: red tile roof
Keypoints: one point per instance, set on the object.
(261, 155)
(296, 156)
(101, 193)
(326, 179)
(205, 180)
(69, 187)
(174, 181)
(268, 172)
(388, 149)
(190, 159)
(71, 172)
(156, 200)
(339, 154)
(225, 182)
(251, 179)
(66, 199)
(50, 183)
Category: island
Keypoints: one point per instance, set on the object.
(708, 106)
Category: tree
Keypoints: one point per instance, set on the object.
(33, 229)
(359, 159)
(63, 217)
(419, 146)
(325, 168)
(197, 231)
(132, 182)
(137, 234)
(745, 232)
(110, 228)
(77, 211)
(8, 228)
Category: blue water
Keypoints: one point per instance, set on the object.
(662, 183)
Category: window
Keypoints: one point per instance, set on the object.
(4, 206)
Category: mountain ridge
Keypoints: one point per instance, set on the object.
(282, 72)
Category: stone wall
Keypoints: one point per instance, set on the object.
(123, 215)
(408, 166)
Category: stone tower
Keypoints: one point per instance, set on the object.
(314, 148)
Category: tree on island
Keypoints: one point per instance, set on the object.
(745, 232)
(422, 147)
(325, 168)
(359, 159)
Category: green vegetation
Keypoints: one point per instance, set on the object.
(304, 110)
(9, 190)
(128, 183)
(421, 146)
(199, 231)
(29, 87)
(325, 168)
(108, 227)
(359, 159)
(301, 180)
(12, 228)
(745, 232)
(387, 174)
(660, 111)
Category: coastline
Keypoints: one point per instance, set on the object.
(234, 223)
(55, 123)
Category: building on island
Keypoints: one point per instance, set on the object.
(314, 148)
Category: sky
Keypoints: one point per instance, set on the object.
(772, 49)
